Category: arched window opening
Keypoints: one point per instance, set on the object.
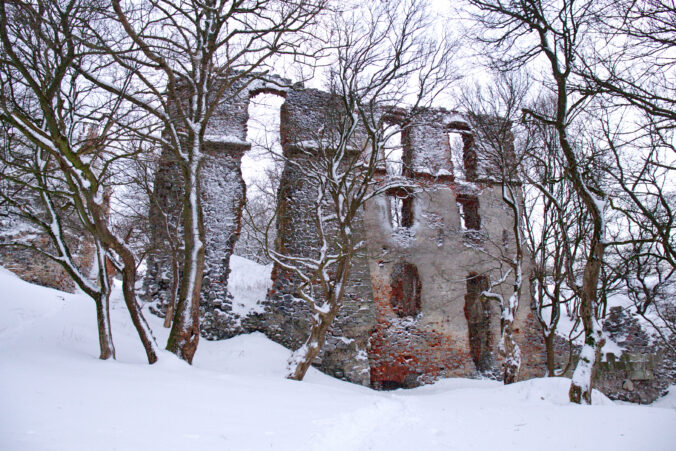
(406, 286)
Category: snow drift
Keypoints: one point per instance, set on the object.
(56, 395)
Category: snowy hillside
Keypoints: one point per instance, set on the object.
(56, 395)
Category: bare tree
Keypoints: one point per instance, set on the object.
(633, 61)
(633, 71)
(648, 281)
(258, 211)
(554, 31)
(184, 56)
(36, 196)
(382, 58)
(555, 227)
(490, 113)
(138, 202)
(50, 106)
(641, 265)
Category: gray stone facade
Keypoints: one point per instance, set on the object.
(412, 313)
(445, 333)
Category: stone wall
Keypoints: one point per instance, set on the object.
(409, 316)
(389, 333)
(34, 267)
(404, 321)
(287, 319)
(642, 372)
(31, 265)
(454, 334)
(640, 369)
(223, 196)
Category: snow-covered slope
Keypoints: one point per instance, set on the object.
(248, 283)
(56, 395)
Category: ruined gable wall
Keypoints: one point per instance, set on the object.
(426, 137)
(402, 350)
(414, 349)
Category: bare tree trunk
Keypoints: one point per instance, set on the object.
(549, 351)
(137, 318)
(303, 357)
(511, 353)
(184, 334)
(103, 321)
(581, 385)
(128, 270)
(174, 293)
(169, 315)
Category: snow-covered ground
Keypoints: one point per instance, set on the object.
(248, 283)
(56, 395)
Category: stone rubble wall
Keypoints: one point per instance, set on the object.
(640, 371)
(223, 195)
(371, 341)
(287, 319)
(368, 343)
(34, 267)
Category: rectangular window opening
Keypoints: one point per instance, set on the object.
(469, 212)
(463, 157)
(401, 208)
(393, 151)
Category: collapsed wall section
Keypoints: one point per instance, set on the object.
(26, 261)
(34, 267)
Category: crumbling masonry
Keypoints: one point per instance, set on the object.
(412, 312)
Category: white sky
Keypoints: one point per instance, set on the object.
(263, 125)
(263, 134)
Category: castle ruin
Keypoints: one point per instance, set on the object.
(413, 311)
